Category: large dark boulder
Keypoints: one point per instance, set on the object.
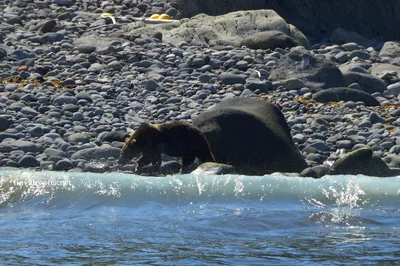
(314, 71)
(251, 135)
(315, 17)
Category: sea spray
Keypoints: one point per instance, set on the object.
(343, 194)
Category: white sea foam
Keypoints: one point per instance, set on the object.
(342, 193)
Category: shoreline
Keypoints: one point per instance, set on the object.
(75, 97)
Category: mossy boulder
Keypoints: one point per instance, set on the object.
(362, 161)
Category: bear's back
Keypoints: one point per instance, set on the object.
(181, 138)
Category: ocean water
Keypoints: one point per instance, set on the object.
(49, 218)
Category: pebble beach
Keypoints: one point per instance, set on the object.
(68, 104)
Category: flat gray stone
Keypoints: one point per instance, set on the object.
(345, 94)
(79, 138)
(27, 146)
(228, 78)
(368, 83)
(105, 151)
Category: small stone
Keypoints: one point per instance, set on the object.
(78, 138)
(375, 118)
(256, 84)
(341, 57)
(28, 161)
(395, 149)
(344, 144)
(115, 65)
(231, 79)
(63, 165)
(36, 131)
(67, 3)
(294, 84)
(242, 65)
(61, 100)
(48, 26)
(152, 85)
(395, 113)
(350, 46)
(96, 167)
(5, 122)
(394, 89)
(77, 116)
(86, 49)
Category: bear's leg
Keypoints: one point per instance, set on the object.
(186, 161)
(143, 161)
(156, 160)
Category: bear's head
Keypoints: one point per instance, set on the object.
(129, 151)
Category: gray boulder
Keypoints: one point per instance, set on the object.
(11, 145)
(368, 82)
(236, 28)
(345, 94)
(105, 151)
(268, 40)
(361, 161)
(251, 135)
(315, 18)
(385, 71)
(390, 49)
(314, 71)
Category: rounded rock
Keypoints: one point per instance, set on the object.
(63, 165)
(28, 161)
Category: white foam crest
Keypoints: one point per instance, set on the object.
(22, 185)
(343, 194)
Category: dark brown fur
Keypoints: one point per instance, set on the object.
(177, 139)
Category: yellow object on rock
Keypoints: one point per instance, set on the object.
(155, 16)
(164, 16)
(109, 15)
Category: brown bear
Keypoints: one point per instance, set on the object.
(176, 138)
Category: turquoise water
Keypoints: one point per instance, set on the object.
(119, 219)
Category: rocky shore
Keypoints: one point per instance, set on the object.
(73, 82)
